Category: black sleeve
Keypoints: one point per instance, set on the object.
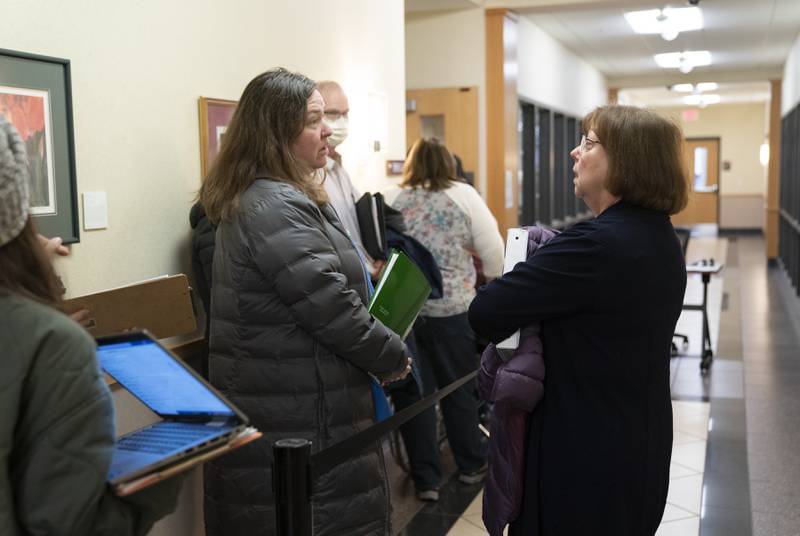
(560, 279)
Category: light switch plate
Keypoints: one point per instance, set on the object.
(95, 211)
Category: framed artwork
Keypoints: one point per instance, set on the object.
(36, 97)
(215, 114)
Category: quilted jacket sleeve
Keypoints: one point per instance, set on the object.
(287, 239)
(63, 449)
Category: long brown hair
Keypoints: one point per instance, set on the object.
(645, 156)
(269, 117)
(25, 268)
(429, 165)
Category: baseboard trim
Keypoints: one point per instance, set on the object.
(749, 231)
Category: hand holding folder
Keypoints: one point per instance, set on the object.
(397, 301)
(400, 294)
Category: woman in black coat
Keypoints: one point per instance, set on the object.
(608, 292)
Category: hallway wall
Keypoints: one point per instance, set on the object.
(551, 75)
(740, 128)
(791, 79)
(448, 49)
(137, 71)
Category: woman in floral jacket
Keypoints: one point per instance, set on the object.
(451, 220)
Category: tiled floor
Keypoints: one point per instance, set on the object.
(682, 514)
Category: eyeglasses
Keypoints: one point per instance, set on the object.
(334, 115)
(587, 143)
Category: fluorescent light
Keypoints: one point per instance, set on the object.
(669, 35)
(675, 60)
(667, 20)
(701, 100)
(707, 86)
(763, 154)
(694, 88)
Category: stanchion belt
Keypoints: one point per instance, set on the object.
(325, 460)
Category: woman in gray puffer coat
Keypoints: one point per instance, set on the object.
(291, 341)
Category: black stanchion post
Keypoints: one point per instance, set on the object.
(291, 481)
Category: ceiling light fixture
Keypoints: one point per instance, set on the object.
(668, 31)
(668, 22)
(694, 88)
(685, 61)
(706, 86)
(701, 100)
(683, 88)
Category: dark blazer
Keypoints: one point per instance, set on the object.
(608, 293)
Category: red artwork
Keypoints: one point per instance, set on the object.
(28, 111)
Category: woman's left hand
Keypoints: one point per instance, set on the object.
(398, 376)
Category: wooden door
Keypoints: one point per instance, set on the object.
(702, 161)
(450, 114)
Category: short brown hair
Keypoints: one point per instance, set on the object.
(646, 166)
(26, 270)
(269, 117)
(429, 165)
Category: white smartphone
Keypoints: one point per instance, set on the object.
(516, 252)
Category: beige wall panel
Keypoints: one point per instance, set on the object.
(137, 71)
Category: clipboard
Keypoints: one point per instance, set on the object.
(126, 488)
(162, 306)
(516, 252)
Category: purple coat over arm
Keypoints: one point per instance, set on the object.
(515, 387)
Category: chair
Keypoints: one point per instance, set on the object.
(683, 233)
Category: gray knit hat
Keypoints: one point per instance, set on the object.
(14, 194)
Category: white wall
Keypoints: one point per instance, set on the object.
(740, 128)
(551, 75)
(448, 49)
(137, 71)
(791, 80)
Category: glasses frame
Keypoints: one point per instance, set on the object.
(585, 147)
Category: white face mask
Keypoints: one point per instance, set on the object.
(339, 128)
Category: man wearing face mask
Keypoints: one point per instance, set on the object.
(341, 192)
(419, 434)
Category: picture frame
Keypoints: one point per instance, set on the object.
(215, 114)
(36, 97)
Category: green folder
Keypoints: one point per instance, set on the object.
(400, 294)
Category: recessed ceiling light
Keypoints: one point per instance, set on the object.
(707, 86)
(668, 21)
(694, 88)
(687, 58)
(701, 100)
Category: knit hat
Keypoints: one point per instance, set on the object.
(14, 194)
